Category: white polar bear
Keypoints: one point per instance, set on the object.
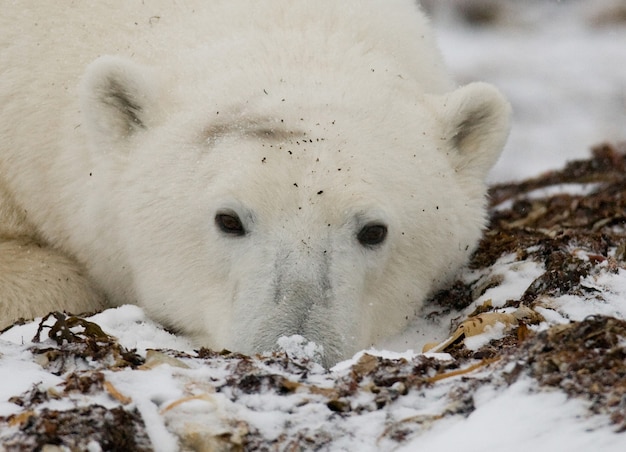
(242, 169)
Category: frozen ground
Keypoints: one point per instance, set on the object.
(563, 66)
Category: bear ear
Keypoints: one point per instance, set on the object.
(118, 99)
(476, 121)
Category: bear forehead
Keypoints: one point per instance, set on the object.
(308, 135)
(309, 168)
(315, 151)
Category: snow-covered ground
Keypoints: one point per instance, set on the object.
(215, 402)
(564, 69)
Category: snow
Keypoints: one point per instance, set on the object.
(135, 330)
(515, 277)
(19, 374)
(491, 332)
(519, 419)
(567, 83)
(298, 347)
(571, 189)
(613, 301)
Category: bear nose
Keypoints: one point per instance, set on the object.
(302, 279)
(303, 302)
(302, 295)
(297, 300)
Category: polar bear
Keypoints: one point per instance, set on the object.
(241, 169)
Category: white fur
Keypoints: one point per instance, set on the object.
(126, 126)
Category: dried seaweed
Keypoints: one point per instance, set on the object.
(585, 359)
(80, 345)
(573, 236)
(114, 429)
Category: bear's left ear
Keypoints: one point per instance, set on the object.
(475, 121)
(118, 99)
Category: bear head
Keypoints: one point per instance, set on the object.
(290, 206)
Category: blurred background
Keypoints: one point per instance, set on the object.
(562, 64)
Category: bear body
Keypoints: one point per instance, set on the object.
(241, 169)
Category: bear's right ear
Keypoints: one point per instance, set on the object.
(475, 120)
(118, 99)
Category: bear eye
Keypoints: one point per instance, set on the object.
(229, 223)
(372, 234)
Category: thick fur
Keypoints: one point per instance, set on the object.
(126, 127)
(34, 278)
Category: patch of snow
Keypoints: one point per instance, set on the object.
(19, 374)
(508, 419)
(606, 297)
(134, 330)
(515, 276)
(551, 316)
(491, 332)
(297, 347)
(546, 192)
